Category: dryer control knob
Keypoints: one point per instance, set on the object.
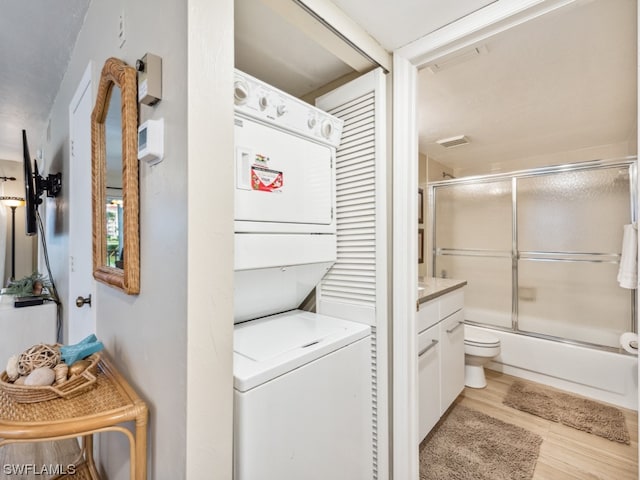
(327, 129)
(264, 102)
(281, 109)
(311, 122)
(240, 92)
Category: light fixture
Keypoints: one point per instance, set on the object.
(13, 203)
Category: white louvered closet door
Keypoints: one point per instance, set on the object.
(356, 286)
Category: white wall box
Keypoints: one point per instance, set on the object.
(23, 327)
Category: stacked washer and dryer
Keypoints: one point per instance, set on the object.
(302, 380)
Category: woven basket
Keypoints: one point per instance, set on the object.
(32, 394)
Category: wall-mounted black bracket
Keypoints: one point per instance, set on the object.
(52, 184)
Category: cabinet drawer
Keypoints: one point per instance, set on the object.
(451, 303)
(428, 315)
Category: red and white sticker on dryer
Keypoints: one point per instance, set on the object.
(265, 179)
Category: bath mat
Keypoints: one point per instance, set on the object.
(469, 445)
(571, 410)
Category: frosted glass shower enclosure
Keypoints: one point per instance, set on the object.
(540, 249)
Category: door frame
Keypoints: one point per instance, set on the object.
(84, 86)
(478, 26)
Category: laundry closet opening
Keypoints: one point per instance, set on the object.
(310, 230)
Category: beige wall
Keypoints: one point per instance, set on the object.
(435, 170)
(24, 246)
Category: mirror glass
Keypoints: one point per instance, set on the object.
(114, 204)
(114, 157)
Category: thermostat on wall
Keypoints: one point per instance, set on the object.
(151, 141)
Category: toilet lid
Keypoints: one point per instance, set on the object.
(480, 339)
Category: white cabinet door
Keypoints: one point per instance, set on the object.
(451, 358)
(428, 380)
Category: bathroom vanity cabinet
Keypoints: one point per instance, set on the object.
(440, 329)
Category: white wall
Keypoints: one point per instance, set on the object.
(210, 241)
(147, 334)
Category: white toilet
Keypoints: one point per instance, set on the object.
(479, 349)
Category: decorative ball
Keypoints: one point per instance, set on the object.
(40, 355)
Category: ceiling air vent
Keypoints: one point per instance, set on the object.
(453, 141)
(456, 58)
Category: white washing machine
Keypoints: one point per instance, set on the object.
(300, 390)
(303, 406)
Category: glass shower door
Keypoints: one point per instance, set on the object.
(569, 236)
(472, 241)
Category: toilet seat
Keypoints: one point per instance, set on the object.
(480, 339)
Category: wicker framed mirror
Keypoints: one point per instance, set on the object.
(114, 164)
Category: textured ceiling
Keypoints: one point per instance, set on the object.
(36, 40)
(563, 82)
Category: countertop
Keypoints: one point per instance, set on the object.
(432, 287)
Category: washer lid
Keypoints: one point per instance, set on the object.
(482, 339)
(271, 346)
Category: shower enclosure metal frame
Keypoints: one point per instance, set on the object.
(515, 254)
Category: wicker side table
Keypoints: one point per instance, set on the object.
(103, 408)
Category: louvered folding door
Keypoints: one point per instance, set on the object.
(356, 286)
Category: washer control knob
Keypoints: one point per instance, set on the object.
(281, 109)
(240, 92)
(311, 122)
(264, 102)
(326, 129)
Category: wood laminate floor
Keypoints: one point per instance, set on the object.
(566, 453)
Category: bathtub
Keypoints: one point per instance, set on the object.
(606, 376)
